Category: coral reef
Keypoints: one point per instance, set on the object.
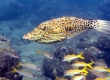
(3, 78)
(6, 62)
(62, 50)
(57, 66)
(82, 45)
(103, 43)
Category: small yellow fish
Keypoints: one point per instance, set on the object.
(65, 28)
(100, 79)
(9, 53)
(106, 78)
(24, 73)
(97, 74)
(99, 63)
(82, 64)
(72, 57)
(29, 65)
(78, 77)
(73, 72)
(57, 78)
(101, 69)
(46, 54)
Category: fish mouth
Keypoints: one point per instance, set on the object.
(25, 37)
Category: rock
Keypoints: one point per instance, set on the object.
(103, 43)
(63, 50)
(57, 66)
(82, 45)
(6, 62)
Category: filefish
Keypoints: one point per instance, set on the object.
(9, 53)
(65, 28)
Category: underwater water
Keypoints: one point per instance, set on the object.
(19, 17)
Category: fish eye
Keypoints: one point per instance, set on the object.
(65, 73)
(34, 76)
(15, 55)
(50, 56)
(37, 67)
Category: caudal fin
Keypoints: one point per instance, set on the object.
(103, 26)
(84, 70)
(14, 69)
(80, 55)
(90, 65)
(19, 64)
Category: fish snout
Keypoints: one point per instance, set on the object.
(105, 66)
(25, 36)
(63, 59)
(65, 74)
(34, 77)
(15, 56)
(50, 57)
(38, 68)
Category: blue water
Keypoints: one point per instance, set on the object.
(18, 17)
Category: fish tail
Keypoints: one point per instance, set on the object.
(0, 50)
(109, 70)
(102, 26)
(84, 70)
(80, 55)
(38, 52)
(90, 65)
(19, 64)
(14, 69)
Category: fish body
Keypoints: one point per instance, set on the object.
(100, 79)
(79, 77)
(72, 57)
(46, 54)
(82, 64)
(97, 74)
(101, 69)
(73, 72)
(99, 63)
(65, 28)
(24, 73)
(96, 50)
(9, 53)
(106, 78)
(57, 78)
(29, 65)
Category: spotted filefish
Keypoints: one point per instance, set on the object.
(65, 28)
